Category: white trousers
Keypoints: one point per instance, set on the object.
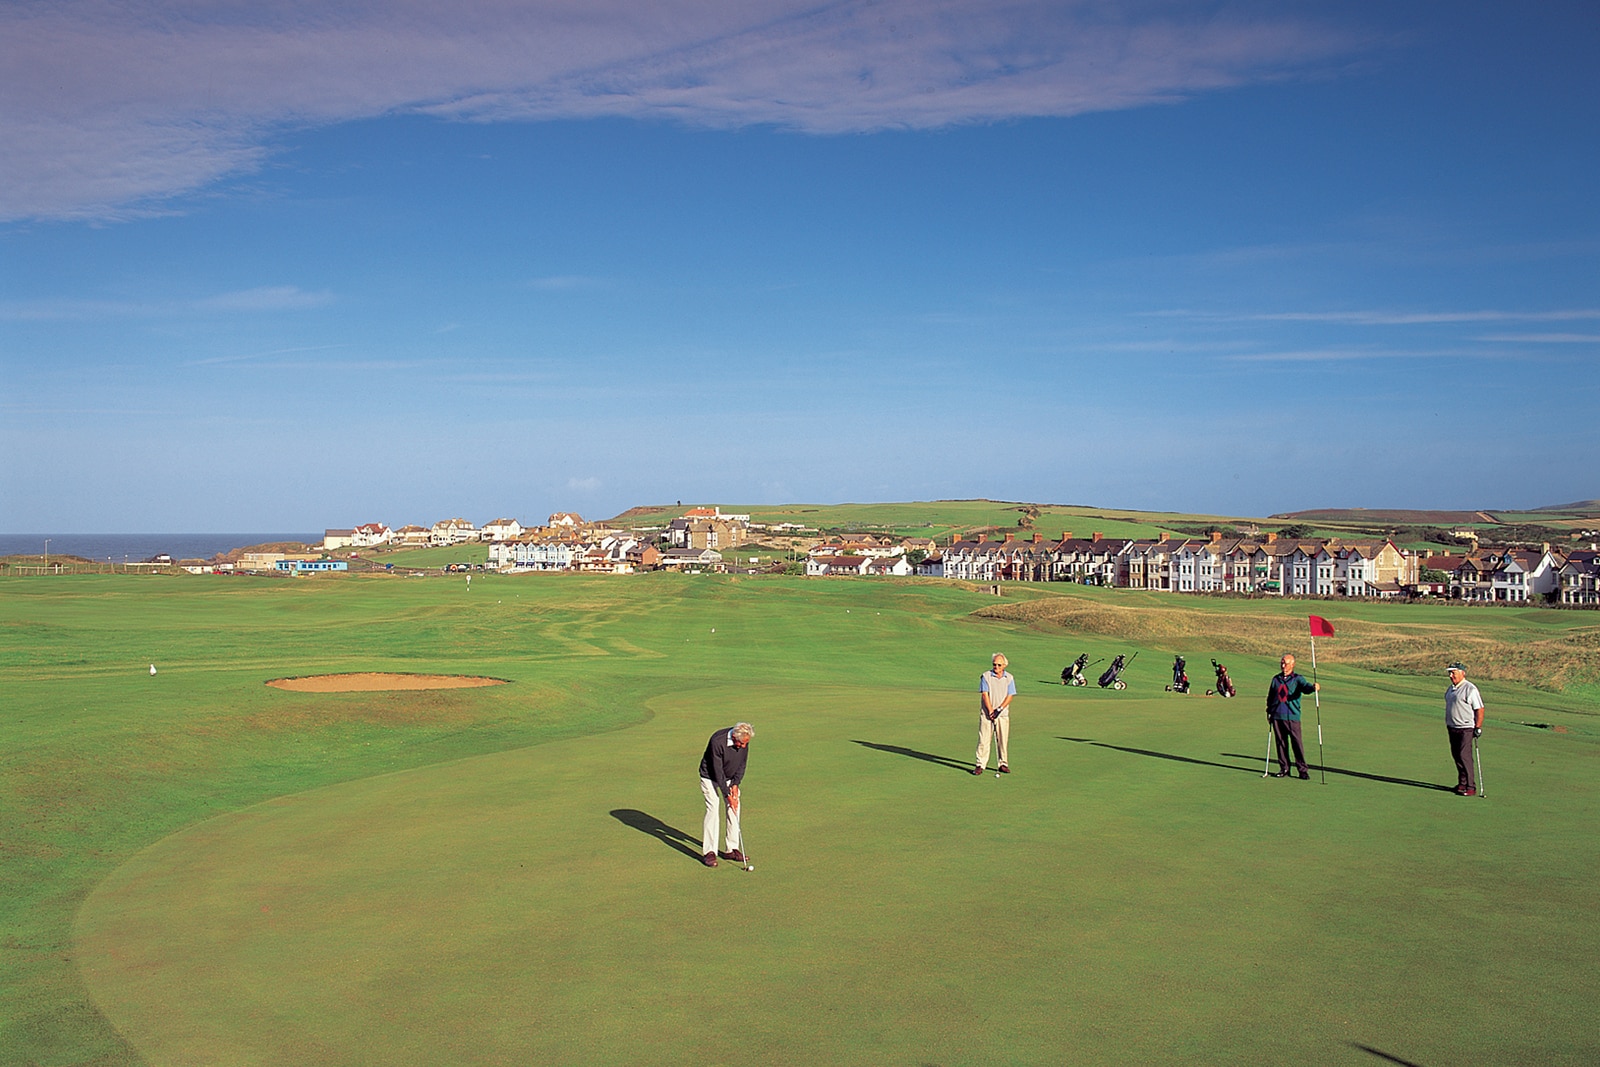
(715, 806)
(1000, 730)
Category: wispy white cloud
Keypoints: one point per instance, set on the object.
(253, 356)
(1418, 319)
(583, 485)
(245, 301)
(1345, 355)
(110, 108)
(1544, 338)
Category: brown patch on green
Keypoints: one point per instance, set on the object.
(377, 681)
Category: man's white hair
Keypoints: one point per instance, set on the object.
(744, 731)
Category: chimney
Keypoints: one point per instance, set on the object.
(1066, 535)
(1010, 538)
(1272, 538)
(1164, 536)
(1037, 537)
(1098, 535)
(1216, 536)
(982, 538)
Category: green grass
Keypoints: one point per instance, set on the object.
(197, 868)
(942, 518)
(472, 552)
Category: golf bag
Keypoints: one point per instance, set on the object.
(1180, 676)
(1072, 673)
(1224, 683)
(1112, 678)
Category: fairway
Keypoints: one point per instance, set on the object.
(1135, 892)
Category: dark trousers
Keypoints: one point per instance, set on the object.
(1287, 731)
(1461, 752)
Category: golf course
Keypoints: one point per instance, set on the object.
(198, 868)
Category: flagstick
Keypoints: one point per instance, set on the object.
(1317, 696)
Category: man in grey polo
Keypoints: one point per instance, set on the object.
(1463, 717)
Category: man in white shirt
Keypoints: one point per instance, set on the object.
(996, 688)
(1463, 717)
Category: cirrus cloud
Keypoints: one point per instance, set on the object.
(110, 109)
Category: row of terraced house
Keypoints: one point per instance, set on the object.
(1276, 566)
(1218, 564)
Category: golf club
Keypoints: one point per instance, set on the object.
(1267, 763)
(1478, 766)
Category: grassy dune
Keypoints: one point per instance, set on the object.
(199, 869)
(1543, 649)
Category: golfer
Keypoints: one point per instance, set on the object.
(1283, 710)
(1463, 717)
(996, 687)
(721, 771)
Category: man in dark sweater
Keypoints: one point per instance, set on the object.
(1283, 710)
(721, 771)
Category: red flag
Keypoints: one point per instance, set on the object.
(1321, 627)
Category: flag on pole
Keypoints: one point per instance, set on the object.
(1320, 627)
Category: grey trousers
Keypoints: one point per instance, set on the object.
(1461, 752)
(1287, 731)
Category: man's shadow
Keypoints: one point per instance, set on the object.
(1412, 782)
(926, 757)
(670, 836)
(1158, 755)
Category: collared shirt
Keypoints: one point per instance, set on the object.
(1461, 705)
(998, 687)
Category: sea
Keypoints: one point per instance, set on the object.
(134, 548)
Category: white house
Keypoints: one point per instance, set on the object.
(370, 534)
(452, 532)
(501, 530)
(1525, 575)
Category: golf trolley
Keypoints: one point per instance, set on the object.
(1072, 673)
(1224, 683)
(1180, 675)
(1112, 678)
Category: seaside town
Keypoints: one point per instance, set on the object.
(709, 540)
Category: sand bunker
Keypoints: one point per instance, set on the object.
(373, 682)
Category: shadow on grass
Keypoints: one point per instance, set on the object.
(1255, 767)
(927, 757)
(1162, 755)
(670, 836)
(1412, 782)
(1382, 1055)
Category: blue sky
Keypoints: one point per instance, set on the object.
(304, 265)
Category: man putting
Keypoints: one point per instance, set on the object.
(721, 771)
(996, 687)
(1283, 710)
(1463, 718)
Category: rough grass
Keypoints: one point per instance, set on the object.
(1404, 644)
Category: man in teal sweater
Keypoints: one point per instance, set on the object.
(1283, 710)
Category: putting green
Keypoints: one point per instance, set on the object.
(1135, 893)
